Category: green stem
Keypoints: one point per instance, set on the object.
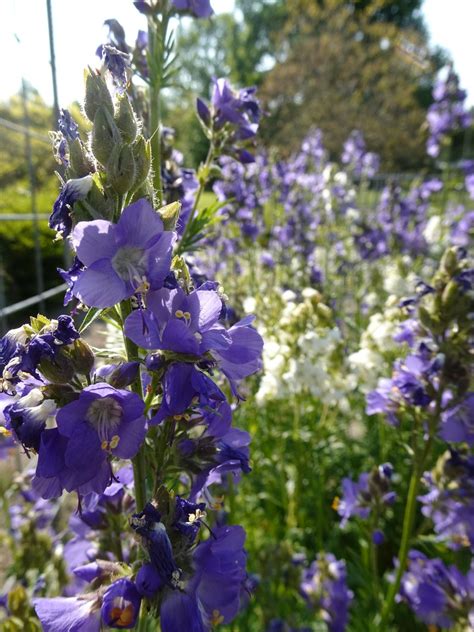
(204, 169)
(139, 461)
(408, 522)
(157, 32)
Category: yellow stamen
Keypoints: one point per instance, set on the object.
(187, 315)
(335, 503)
(104, 445)
(5, 432)
(216, 618)
(179, 313)
(114, 442)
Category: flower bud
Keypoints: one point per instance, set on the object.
(449, 262)
(121, 169)
(170, 214)
(79, 160)
(142, 156)
(125, 120)
(105, 135)
(60, 370)
(450, 294)
(97, 95)
(82, 357)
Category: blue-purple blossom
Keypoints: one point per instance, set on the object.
(438, 594)
(72, 191)
(371, 490)
(116, 62)
(457, 424)
(447, 114)
(449, 501)
(121, 604)
(120, 259)
(198, 8)
(324, 586)
(103, 422)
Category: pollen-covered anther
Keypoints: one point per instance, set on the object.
(4, 432)
(104, 445)
(216, 618)
(179, 313)
(143, 285)
(187, 315)
(199, 515)
(335, 503)
(114, 442)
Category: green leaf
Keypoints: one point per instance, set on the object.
(93, 314)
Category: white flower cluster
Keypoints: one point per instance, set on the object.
(303, 354)
(370, 361)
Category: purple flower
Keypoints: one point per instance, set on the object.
(188, 324)
(438, 594)
(449, 501)
(67, 125)
(121, 604)
(371, 490)
(458, 423)
(103, 421)
(27, 417)
(179, 322)
(198, 8)
(121, 259)
(117, 63)
(78, 614)
(72, 191)
(324, 586)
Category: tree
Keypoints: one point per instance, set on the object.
(345, 71)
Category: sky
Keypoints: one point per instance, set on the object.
(78, 30)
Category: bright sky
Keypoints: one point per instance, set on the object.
(79, 30)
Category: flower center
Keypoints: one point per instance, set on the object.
(104, 414)
(129, 263)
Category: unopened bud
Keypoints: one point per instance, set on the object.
(82, 357)
(105, 135)
(80, 163)
(449, 262)
(121, 169)
(170, 214)
(60, 370)
(97, 95)
(125, 120)
(61, 394)
(142, 156)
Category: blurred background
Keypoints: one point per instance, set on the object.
(333, 64)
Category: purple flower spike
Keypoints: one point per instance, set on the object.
(198, 8)
(121, 605)
(123, 258)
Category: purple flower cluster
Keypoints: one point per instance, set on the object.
(413, 383)
(439, 595)
(362, 163)
(231, 119)
(324, 587)
(369, 494)
(447, 114)
(449, 501)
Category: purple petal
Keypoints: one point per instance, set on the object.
(177, 337)
(100, 286)
(142, 328)
(139, 225)
(94, 240)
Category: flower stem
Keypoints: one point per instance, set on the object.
(408, 522)
(157, 33)
(202, 184)
(139, 461)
